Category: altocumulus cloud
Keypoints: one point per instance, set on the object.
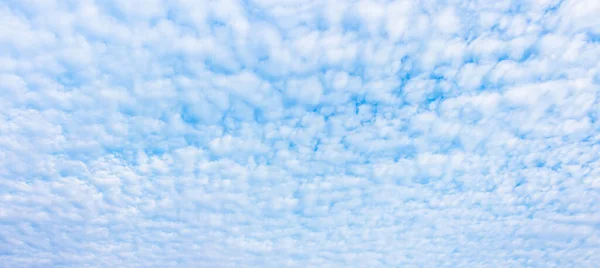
(299, 133)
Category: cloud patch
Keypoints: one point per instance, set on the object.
(299, 133)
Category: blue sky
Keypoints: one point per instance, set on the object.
(293, 133)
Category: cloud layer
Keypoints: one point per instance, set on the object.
(299, 133)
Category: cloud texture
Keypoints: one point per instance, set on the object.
(296, 133)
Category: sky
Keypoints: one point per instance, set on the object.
(298, 133)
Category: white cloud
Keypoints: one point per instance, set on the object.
(304, 91)
(299, 133)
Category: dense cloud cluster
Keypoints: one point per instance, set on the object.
(298, 133)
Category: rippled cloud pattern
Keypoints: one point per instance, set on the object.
(297, 133)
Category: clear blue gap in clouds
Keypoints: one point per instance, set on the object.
(295, 133)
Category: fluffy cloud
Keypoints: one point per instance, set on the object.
(299, 133)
